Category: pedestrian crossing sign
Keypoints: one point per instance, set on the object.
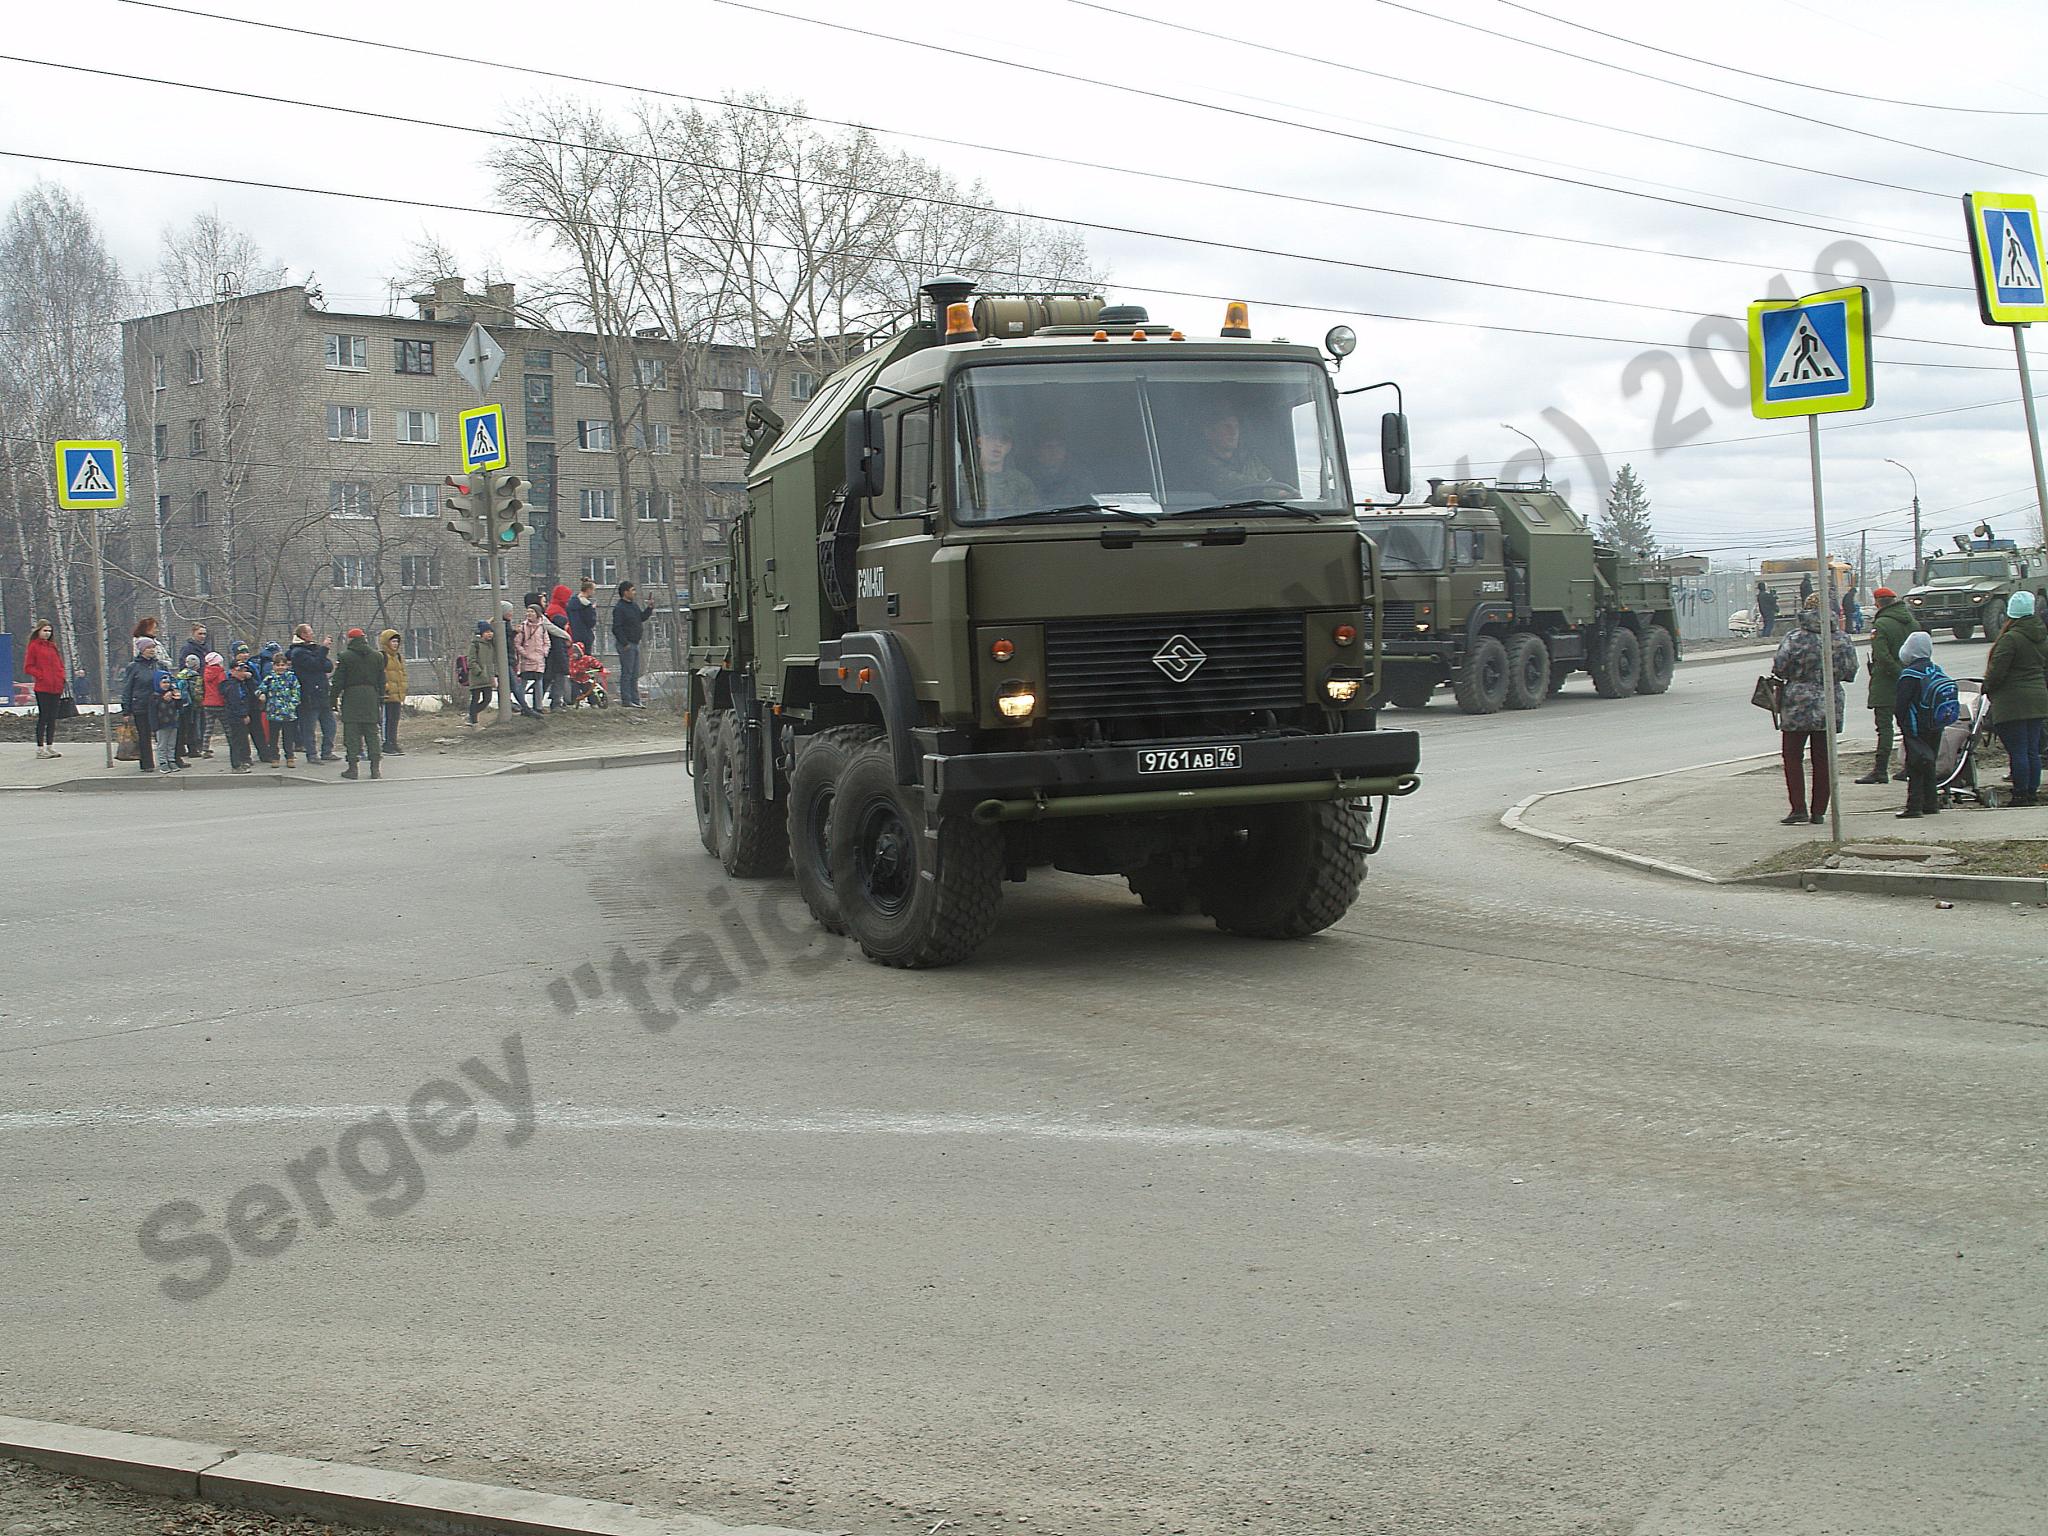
(1810, 356)
(91, 474)
(2005, 238)
(483, 438)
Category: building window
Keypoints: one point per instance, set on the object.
(156, 371)
(651, 372)
(349, 352)
(348, 423)
(348, 498)
(419, 427)
(594, 436)
(195, 370)
(422, 644)
(163, 441)
(753, 383)
(802, 385)
(412, 357)
(653, 571)
(540, 405)
(419, 573)
(480, 570)
(202, 584)
(592, 371)
(601, 569)
(539, 358)
(540, 475)
(354, 573)
(600, 506)
(652, 506)
(418, 499)
(710, 441)
(163, 511)
(170, 575)
(202, 511)
(195, 438)
(651, 438)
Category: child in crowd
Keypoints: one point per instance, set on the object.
(211, 700)
(192, 714)
(167, 719)
(280, 690)
(240, 709)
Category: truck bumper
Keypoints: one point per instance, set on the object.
(1104, 781)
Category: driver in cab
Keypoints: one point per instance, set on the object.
(1003, 487)
(1221, 463)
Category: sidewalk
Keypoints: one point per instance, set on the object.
(1719, 823)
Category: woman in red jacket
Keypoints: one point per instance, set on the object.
(45, 668)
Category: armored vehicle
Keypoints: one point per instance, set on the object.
(1036, 582)
(1967, 590)
(1503, 592)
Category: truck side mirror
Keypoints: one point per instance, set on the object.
(864, 453)
(1394, 452)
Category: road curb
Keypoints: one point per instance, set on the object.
(332, 1490)
(600, 760)
(134, 783)
(1867, 882)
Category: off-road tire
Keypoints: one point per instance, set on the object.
(907, 899)
(1528, 671)
(1481, 684)
(1994, 617)
(1962, 631)
(1294, 871)
(1560, 674)
(1660, 657)
(753, 832)
(813, 787)
(1618, 664)
(1163, 888)
(703, 774)
(1410, 687)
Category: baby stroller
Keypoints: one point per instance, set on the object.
(587, 677)
(1955, 764)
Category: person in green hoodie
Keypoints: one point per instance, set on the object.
(359, 686)
(1888, 630)
(2016, 683)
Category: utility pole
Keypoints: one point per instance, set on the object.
(1916, 516)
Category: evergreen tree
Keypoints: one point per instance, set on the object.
(1625, 521)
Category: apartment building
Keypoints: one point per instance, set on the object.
(293, 459)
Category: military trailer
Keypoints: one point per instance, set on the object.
(1967, 590)
(1503, 592)
(1038, 583)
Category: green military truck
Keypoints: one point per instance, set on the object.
(1967, 591)
(1038, 583)
(1503, 592)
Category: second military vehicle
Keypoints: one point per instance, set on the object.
(1036, 582)
(1968, 590)
(1503, 592)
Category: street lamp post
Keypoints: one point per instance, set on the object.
(1916, 516)
(1542, 459)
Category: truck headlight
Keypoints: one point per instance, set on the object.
(1341, 690)
(1017, 701)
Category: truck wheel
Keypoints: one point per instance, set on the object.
(813, 787)
(1481, 684)
(1294, 871)
(1559, 672)
(1528, 671)
(1162, 887)
(753, 832)
(1962, 631)
(1994, 617)
(1659, 657)
(703, 772)
(909, 899)
(1410, 687)
(1618, 665)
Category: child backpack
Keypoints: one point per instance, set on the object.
(1938, 701)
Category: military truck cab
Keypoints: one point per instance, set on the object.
(1967, 590)
(1036, 582)
(1503, 592)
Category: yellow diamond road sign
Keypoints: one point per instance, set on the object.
(483, 438)
(2005, 240)
(91, 474)
(1810, 356)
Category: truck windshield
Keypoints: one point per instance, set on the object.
(1154, 436)
(1407, 544)
(1972, 565)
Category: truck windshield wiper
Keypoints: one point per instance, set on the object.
(1254, 504)
(1078, 507)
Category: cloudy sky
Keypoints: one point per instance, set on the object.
(1344, 161)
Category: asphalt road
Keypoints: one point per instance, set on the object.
(1539, 1196)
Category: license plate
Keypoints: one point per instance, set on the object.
(1189, 759)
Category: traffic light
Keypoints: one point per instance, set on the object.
(467, 517)
(506, 522)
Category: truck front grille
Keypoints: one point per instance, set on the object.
(1174, 664)
(1399, 621)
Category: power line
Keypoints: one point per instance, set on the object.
(1502, 102)
(1740, 101)
(959, 204)
(1803, 85)
(1045, 277)
(1283, 122)
(1164, 177)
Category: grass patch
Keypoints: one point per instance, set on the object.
(1990, 856)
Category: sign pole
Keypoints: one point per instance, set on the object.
(99, 633)
(2019, 347)
(491, 556)
(1824, 589)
